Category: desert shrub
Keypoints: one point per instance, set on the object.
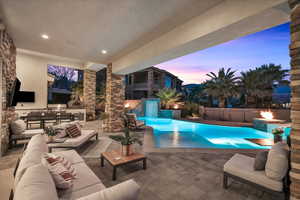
(190, 109)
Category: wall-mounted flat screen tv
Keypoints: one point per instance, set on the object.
(62, 83)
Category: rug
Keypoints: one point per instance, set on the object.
(94, 148)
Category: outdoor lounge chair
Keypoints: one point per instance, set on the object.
(240, 168)
(133, 122)
(74, 143)
(26, 135)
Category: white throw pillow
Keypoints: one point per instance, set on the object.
(277, 162)
(63, 179)
(60, 131)
(18, 126)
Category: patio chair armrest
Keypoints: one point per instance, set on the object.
(128, 190)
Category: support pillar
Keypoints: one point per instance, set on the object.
(150, 83)
(295, 110)
(7, 77)
(89, 93)
(115, 97)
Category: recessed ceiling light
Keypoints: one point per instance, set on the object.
(44, 36)
(103, 51)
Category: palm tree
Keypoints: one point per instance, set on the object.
(222, 85)
(249, 85)
(168, 97)
(258, 83)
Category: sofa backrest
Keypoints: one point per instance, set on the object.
(36, 147)
(36, 184)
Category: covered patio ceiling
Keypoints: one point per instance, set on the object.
(82, 29)
(135, 33)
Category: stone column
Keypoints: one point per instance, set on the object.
(89, 93)
(150, 83)
(295, 110)
(7, 77)
(114, 103)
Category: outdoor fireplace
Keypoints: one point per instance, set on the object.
(267, 122)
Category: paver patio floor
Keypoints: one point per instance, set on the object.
(171, 176)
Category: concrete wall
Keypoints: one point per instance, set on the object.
(242, 115)
(32, 72)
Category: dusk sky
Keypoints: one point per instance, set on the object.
(268, 46)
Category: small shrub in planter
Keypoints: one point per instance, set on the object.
(277, 132)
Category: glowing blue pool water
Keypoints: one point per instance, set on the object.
(169, 133)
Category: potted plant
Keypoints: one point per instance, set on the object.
(126, 140)
(277, 132)
(50, 132)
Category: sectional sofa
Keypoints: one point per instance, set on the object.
(34, 182)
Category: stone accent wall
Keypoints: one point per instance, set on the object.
(115, 96)
(89, 93)
(295, 112)
(8, 75)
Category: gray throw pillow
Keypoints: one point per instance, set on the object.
(260, 160)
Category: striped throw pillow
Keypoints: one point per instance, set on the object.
(73, 131)
(62, 177)
(68, 165)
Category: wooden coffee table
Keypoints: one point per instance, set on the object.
(115, 159)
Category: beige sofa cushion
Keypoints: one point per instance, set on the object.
(82, 192)
(86, 178)
(277, 162)
(18, 126)
(128, 190)
(71, 156)
(35, 149)
(242, 166)
(36, 184)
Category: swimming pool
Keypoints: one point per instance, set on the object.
(170, 133)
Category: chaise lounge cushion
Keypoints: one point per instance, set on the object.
(86, 179)
(32, 156)
(277, 163)
(128, 190)
(242, 166)
(75, 142)
(36, 184)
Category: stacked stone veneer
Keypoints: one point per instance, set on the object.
(89, 92)
(295, 112)
(115, 97)
(8, 75)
